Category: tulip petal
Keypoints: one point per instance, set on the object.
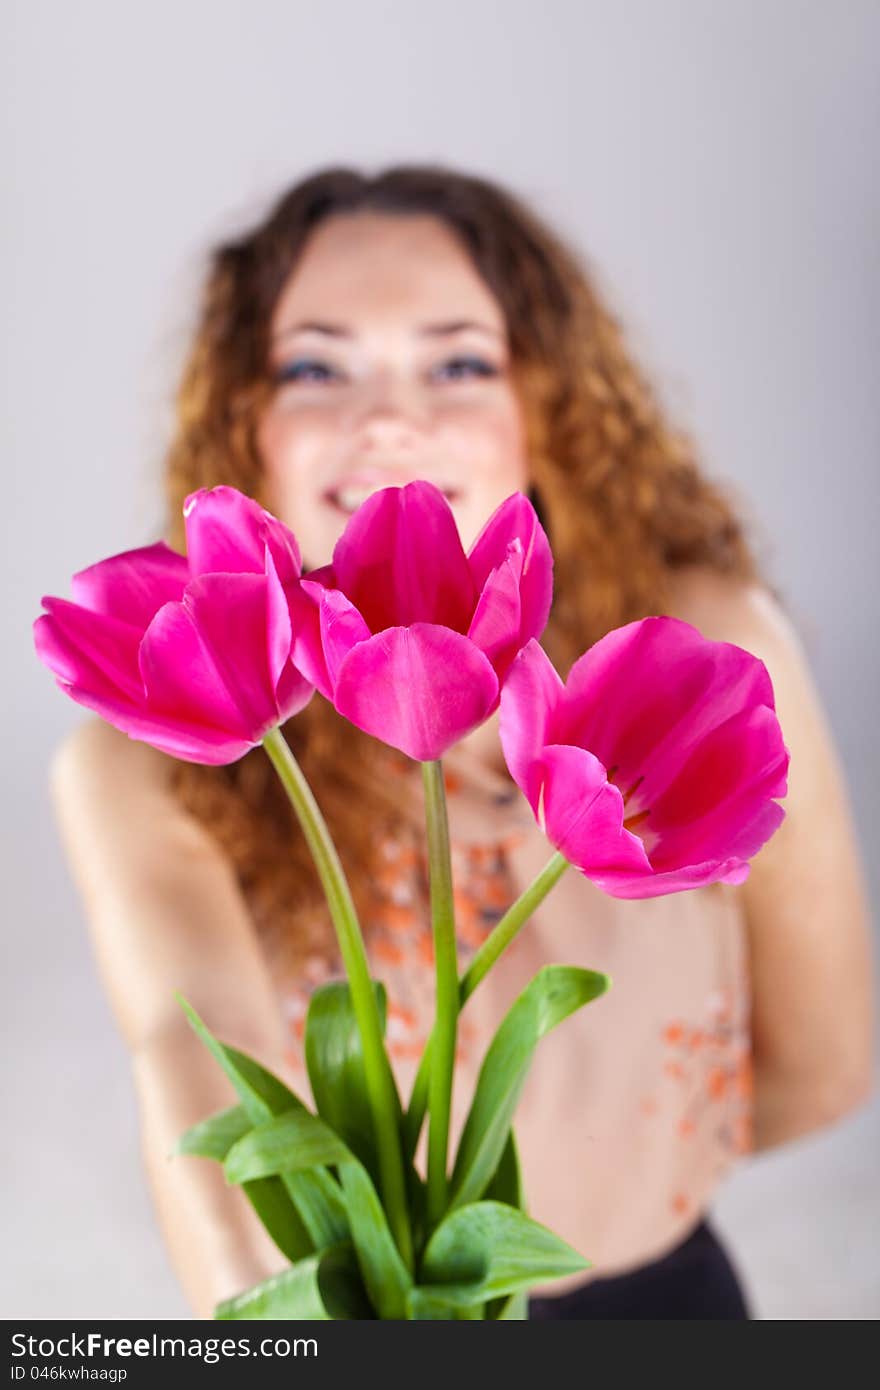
(75, 673)
(304, 602)
(342, 627)
(229, 533)
(292, 690)
(180, 676)
(279, 629)
(93, 649)
(740, 827)
(230, 612)
(583, 813)
(739, 682)
(193, 743)
(292, 693)
(400, 561)
(742, 761)
(719, 812)
(755, 820)
(419, 688)
(646, 694)
(206, 658)
(528, 700)
(651, 885)
(132, 587)
(517, 519)
(323, 575)
(88, 684)
(495, 626)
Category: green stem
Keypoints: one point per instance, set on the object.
(379, 1077)
(496, 942)
(446, 971)
(506, 929)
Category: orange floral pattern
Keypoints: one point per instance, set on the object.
(708, 1062)
(400, 942)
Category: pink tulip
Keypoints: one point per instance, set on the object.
(654, 767)
(409, 637)
(189, 654)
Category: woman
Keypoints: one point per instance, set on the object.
(424, 324)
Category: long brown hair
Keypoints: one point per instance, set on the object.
(620, 493)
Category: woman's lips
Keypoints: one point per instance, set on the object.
(348, 494)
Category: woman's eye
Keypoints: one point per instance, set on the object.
(307, 369)
(460, 368)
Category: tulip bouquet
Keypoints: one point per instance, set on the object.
(654, 768)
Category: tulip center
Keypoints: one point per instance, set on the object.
(636, 816)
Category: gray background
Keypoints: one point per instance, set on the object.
(716, 164)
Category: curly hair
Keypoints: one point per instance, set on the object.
(619, 492)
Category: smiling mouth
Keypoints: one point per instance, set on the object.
(346, 497)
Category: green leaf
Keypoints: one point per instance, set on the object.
(323, 1287)
(385, 1275)
(506, 1183)
(512, 1309)
(422, 1305)
(334, 1058)
(554, 993)
(284, 1144)
(214, 1137)
(417, 1202)
(272, 1202)
(487, 1249)
(335, 1063)
(299, 1138)
(317, 1202)
(506, 1186)
(261, 1094)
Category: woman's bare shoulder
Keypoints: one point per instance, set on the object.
(104, 784)
(93, 751)
(728, 608)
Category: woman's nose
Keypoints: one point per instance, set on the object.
(391, 413)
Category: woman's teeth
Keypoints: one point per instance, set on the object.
(349, 496)
(348, 499)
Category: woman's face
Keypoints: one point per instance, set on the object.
(391, 360)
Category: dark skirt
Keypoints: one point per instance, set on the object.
(695, 1280)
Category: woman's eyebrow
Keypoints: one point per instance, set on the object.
(440, 330)
(330, 330)
(427, 330)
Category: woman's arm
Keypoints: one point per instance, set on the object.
(805, 898)
(166, 914)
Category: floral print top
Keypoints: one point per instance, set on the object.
(634, 1107)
